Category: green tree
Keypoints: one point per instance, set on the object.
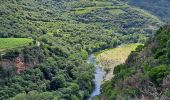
(57, 82)
(157, 74)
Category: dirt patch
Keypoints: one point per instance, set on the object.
(19, 63)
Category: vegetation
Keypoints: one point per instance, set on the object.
(159, 8)
(34, 95)
(146, 71)
(8, 43)
(112, 57)
(63, 32)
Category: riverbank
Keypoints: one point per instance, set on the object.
(99, 76)
(105, 61)
(110, 58)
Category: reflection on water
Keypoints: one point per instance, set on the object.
(99, 76)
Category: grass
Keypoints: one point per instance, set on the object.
(101, 3)
(111, 57)
(9, 43)
(116, 11)
(86, 10)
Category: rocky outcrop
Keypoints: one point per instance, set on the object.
(18, 63)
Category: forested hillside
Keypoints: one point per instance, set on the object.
(52, 40)
(146, 73)
(159, 8)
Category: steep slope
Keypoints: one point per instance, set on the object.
(64, 32)
(159, 8)
(145, 75)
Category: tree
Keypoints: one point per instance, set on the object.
(157, 74)
(57, 82)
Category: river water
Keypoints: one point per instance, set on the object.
(99, 76)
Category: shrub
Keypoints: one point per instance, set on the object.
(157, 74)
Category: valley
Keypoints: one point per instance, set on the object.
(104, 63)
(52, 49)
(145, 72)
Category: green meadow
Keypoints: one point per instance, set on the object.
(9, 43)
(111, 57)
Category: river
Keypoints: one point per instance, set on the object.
(99, 76)
(116, 56)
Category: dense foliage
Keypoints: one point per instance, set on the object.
(64, 33)
(146, 72)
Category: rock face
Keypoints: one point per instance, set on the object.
(23, 60)
(18, 63)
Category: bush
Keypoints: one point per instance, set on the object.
(57, 82)
(157, 74)
(118, 68)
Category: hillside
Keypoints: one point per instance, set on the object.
(159, 8)
(145, 75)
(63, 33)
